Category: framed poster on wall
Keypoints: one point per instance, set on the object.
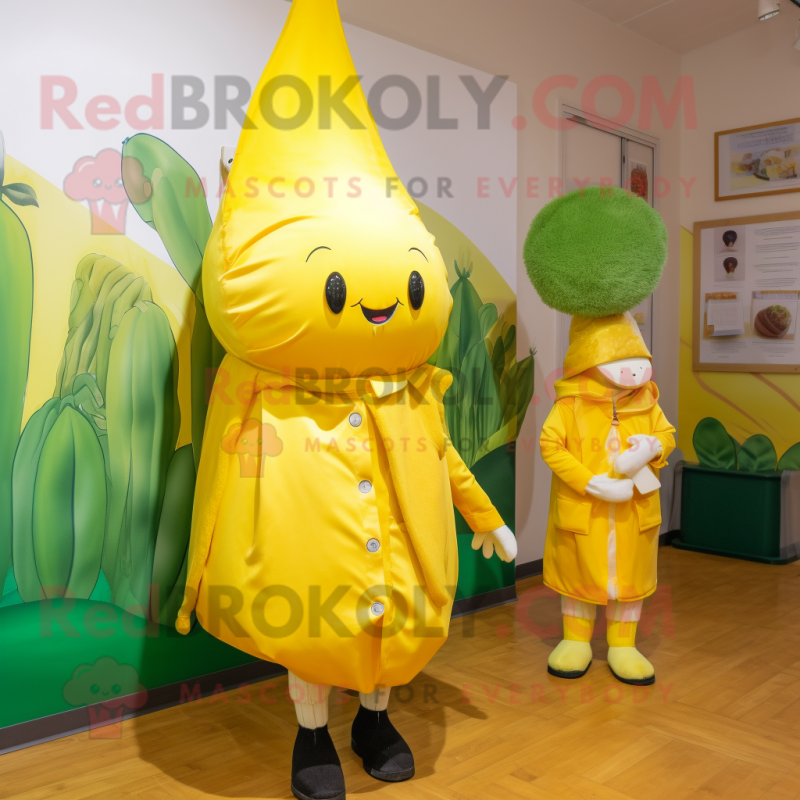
(747, 294)
(758, 160)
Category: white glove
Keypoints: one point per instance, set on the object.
(612, 490)
(501, 540)
(643, 449)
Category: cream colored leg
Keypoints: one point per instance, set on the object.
(621, 611)
(310, 702)
(377, 700)
(570, 607)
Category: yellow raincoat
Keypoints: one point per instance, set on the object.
(323, 535)
(596, 551)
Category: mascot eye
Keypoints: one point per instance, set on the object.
(335, 292)
(416, 290)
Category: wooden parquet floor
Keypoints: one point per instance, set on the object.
(486, 721)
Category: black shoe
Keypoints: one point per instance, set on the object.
(384, 751)
(316, 769)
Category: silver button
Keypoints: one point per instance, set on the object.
(373, 545)
(355, 419)
(377, 609)
(365, 487)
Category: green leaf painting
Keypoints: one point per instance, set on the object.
(491, 391)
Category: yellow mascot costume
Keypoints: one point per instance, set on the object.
(596, 254)
(323, 536)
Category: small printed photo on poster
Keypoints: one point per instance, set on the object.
(773, 315)
(729, 240)
(777, 164)
(728, 267)
(723, 315)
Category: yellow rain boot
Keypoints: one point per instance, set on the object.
(573, 655)
(625, 662)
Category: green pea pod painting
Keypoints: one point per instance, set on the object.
(207, 355)
(69, 508)
(16, 316)
(143, 418)
(102, 292)
(170, 559)
(168, 195)
(26, 465)
(57, 531)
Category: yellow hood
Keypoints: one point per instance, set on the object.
(312, 192)
(596, 341)
(591, 385)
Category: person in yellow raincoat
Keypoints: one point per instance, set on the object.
(597, 253)
(323, 535)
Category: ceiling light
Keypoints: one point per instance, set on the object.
(768, 8)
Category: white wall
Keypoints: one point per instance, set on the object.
(530, 41)
(163, 41)
(748, 78)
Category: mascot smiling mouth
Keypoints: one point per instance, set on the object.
(379, 316)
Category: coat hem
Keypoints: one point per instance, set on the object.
(601, 602)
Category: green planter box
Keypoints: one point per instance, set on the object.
(735, 514)
(496, 473)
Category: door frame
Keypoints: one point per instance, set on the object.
(625, 134)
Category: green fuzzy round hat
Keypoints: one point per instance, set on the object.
(595, 252)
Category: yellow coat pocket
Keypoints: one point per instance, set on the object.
(572, 515)
(648, 508)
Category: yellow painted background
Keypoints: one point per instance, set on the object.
(745, 403)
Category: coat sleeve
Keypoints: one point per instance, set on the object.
(553, 444)
(469, 498)
(663, 431)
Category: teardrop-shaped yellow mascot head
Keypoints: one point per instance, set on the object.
(319, 259)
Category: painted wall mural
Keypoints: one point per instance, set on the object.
(104, 401)
(96, 462)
